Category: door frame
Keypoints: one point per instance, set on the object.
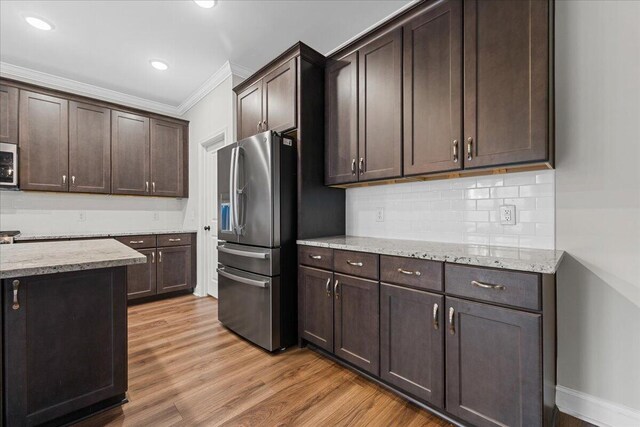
(216, 140)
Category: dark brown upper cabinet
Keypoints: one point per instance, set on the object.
(315, 297)
(89, 148)
(130, 164)
(279, 98)
(357, 326)
(8, 114)
(506, 79)
(412, 342)
(250, 111)
(380, 108)
(341, 120)
(493, 364)
(174, 269)
(44, 142)
(167, 158)
(433, 90)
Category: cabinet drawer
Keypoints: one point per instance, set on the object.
(360, 264)
(417, 273)
(507, 287)
(138, 242)
(316, 257)
(174, 240)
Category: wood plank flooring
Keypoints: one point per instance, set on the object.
(185, 369)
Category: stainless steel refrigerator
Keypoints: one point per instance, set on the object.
(256, 233)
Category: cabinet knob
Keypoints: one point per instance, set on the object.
(469, 151)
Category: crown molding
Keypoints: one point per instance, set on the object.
(51, 81)
(227, 70)
(28, 75)
(372, 27)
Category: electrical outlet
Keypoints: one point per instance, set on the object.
(380, 215)
(507, 214)
(82, 216)
(156, 216)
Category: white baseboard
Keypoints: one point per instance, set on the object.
(595, 410)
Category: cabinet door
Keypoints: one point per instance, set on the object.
(506, 69)
(129, 153)
(341, 115)
(44, 142)
(433, 90)
(8, 114)
(279, 98)
(412, 342)
(250, 111)
(494, 375)
(65, 345)
(89, 148)
(357, 326)
(315, 298)
(167, 158)
(174, 269)
(380, 115)
(141, 278)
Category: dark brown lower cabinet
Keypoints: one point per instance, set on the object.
(65, 343)
(412, 342)
(357, 327)
(315, 296)
(174, 269)
(141, 278)
(494, 364)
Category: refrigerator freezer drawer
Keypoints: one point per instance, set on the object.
(255, 260)
(249, 306)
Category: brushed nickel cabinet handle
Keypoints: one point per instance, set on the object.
(153, 257)
(452, 326)
(265, 126)
(355, 264)
(328, 287)
(361, 165)
(159, 256)
(335, 289)
(469, 152)
(409, 273)
(353, 166)
(16, 304)
(64, 179)
(153, 186)
(315, 256)
(174, 240)
(146, 184)
(135, 242)
(488, 286)
(436, 323)
(258, 126)
(455, 151)
(73, 180)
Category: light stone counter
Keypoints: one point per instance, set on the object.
(534, 260)
(33, 259)
(26, 237)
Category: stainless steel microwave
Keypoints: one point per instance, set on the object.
(8, 165)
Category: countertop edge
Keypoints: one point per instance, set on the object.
(37, 237)
(66, 268)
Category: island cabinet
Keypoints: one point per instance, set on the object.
(65, 344)
(8, 114)
(474, 343)
(444, 87)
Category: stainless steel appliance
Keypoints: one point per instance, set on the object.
(256, 230)
(8, 165)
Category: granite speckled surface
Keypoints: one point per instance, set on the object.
(26, 237)
(534, 260)
(37, 258)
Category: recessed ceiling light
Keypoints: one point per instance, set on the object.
(40, 24)
(207, 4)
(159, 65)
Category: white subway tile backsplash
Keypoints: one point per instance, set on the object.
(463, 210)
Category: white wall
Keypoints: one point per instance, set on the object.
(463, 210)
(598, 206)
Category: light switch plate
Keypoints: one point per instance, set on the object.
(507, 214)
(379, 214)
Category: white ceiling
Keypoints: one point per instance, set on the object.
(109, 43)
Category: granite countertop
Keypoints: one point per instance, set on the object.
(33, 259)
(26, 237)
(534, 260)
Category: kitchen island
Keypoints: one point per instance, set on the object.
(64, 329)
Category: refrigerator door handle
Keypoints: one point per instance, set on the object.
(246, 281)
(232, 186)
(257, 255)
(236, 192)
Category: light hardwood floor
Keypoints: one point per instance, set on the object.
(185, 369)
